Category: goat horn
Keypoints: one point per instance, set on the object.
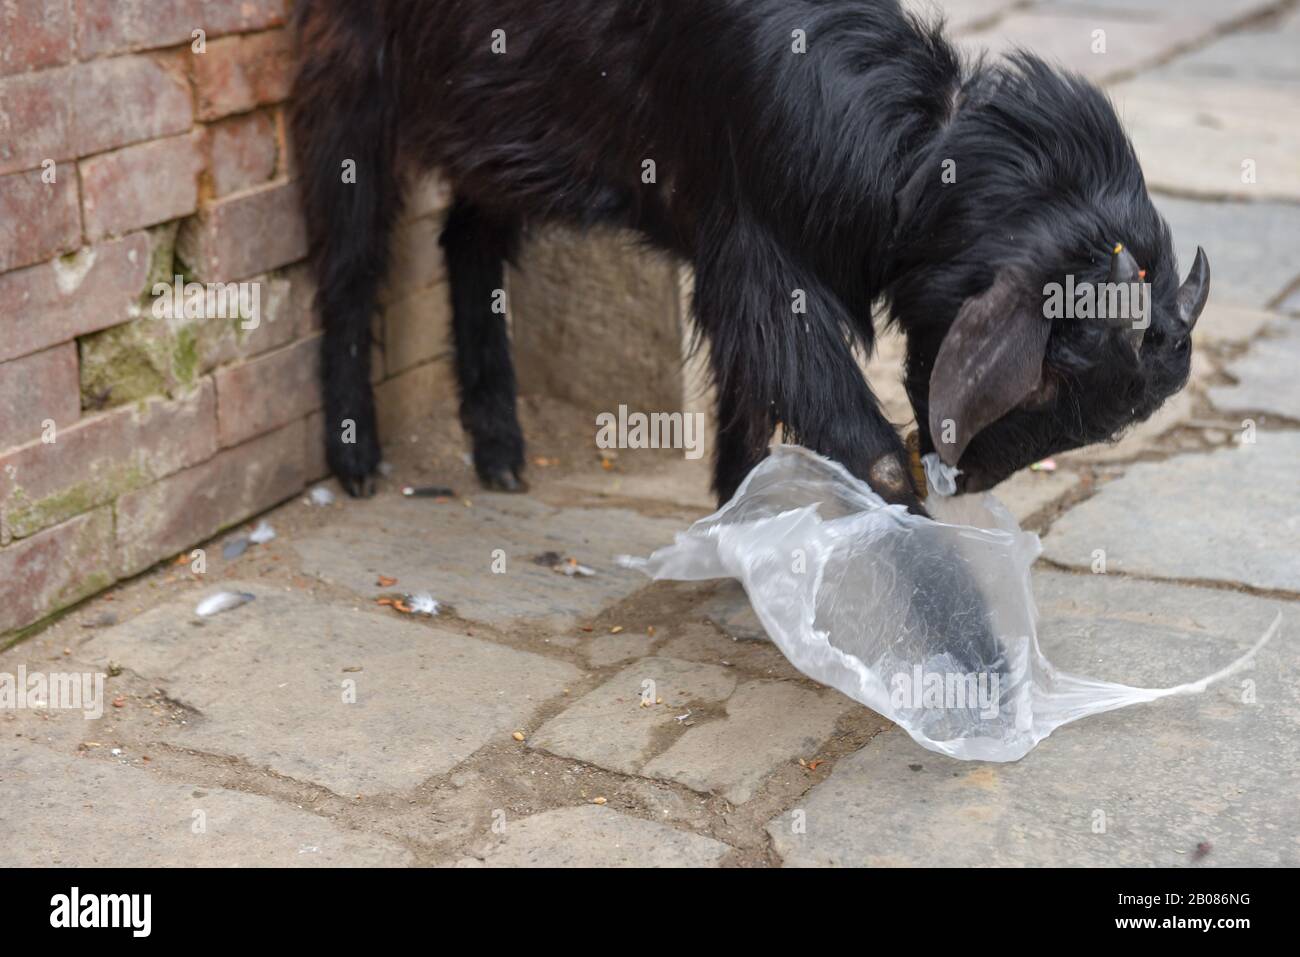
(1194, 291)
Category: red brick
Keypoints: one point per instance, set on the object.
(314, 453)
(35, 118)
(267, 392)
(37, 388)
(232, 16)
(34, 34)
(303, 299)
(98, 459)
(242, 153)
(128, 100)
(57, 301)
(38, 220)
(141, 185)
(112, 26)
(245, 234)
(76, 111)
(277, 326)
(236, 74)
(56, 568)
(169, 517)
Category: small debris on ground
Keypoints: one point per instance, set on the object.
(518, 736)
(262, 534)
(321, 496)
(233, 548)
(1202, 849)
(562, 565)
(222, 601)
(599, 800)
(1046, 465)
(420, 604)
(385, 582)
(428, 491)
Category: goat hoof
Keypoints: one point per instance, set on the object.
(503, 480)
(362, 487)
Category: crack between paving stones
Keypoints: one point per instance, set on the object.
(1273, 594)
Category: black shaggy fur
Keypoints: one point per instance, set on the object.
(778, 171)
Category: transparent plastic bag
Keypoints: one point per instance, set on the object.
(931, 623)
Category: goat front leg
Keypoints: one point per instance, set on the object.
(779, 352)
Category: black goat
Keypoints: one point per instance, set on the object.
(837, 154)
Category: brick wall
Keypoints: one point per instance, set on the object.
(127, 156)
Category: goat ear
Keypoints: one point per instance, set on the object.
(990, 360)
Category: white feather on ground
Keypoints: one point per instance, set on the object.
(262, 534)
(222, 601)
(423, 604)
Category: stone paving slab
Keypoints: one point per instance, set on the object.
(729, 609)
(702, 642)
(1255, 57)
(767, 723)
(1194, 137)
(1251, 246)
(450, 551)
(268, 680)
(961, 15)
(1227, 515)
(1157, 780)
(734, 734)
(1028, 492)
(594, 836)
(1266, 375)
(1067, 37)
(83, 812)
(1215, 11)
(1224, 323)
(608, 727)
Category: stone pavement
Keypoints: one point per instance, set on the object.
(546, 719)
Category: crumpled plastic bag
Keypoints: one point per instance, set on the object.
(931, 623)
